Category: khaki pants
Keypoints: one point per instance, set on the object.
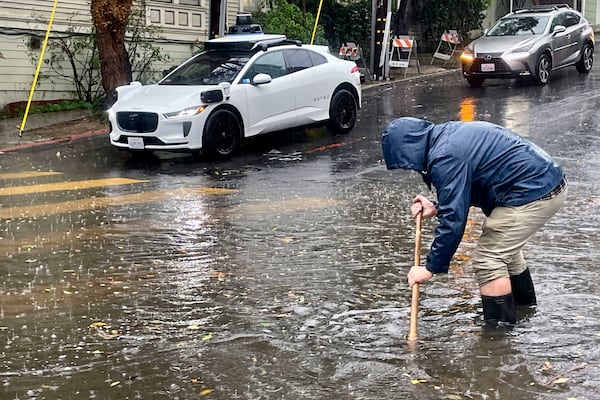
(498, 253)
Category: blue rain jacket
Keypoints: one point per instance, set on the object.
(468, 163)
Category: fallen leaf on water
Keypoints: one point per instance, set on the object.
(204, 392)
(561, 380)
(417, 381)
(287, 240)
(207, 336)
(97, 324)
(547, 367)
(453, 397)
(115, 383)
(193, 327)
(67, 292)
(571, 398)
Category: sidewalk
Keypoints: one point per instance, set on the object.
(81, 124)
(426, 70)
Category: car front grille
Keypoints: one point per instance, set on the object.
(500, 65)
(148, 141)
(141, 122)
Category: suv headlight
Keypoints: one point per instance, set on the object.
(467, 54)
(187, 112)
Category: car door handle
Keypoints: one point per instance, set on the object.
(569, 36)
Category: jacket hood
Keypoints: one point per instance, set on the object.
(405, 143)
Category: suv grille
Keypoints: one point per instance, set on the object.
(141, 122)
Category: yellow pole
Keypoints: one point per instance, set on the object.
(39, 66)
(312, 39)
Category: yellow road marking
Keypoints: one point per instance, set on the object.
(64, 186)
(40, 210)
(26, 174)
(276, 207)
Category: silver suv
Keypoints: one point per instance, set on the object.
(530, 42)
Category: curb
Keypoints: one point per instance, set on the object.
(384, 84)
(43, 142)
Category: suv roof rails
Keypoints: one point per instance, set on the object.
(542, 8)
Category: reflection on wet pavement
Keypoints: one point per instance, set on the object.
(288, 281)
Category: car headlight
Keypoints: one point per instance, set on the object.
(187, 112)
(467, 55)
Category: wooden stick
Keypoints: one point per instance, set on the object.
(414, 304)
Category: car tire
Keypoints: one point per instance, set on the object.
(342, 112)
(222, 134)
(475, 81)
(543, 66)
(584, 65)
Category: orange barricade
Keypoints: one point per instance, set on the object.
(447, 46)
(401, 51)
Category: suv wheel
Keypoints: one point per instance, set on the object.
(475, 81)
(542, 69)
(584, 65)
(342, 112)
(222, 134)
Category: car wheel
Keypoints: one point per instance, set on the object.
(222, 134)
(475, 81)
(584, 65)
(342, 112)
(542, 70)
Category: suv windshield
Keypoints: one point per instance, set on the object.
(520, 25)
(208, 68)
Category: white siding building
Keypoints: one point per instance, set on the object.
(23, 25)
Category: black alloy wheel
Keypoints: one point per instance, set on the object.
(222, 134)
(342, 112)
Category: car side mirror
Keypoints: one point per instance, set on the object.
(558, 29)
(261, 79)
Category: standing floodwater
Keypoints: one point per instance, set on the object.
(281, 274)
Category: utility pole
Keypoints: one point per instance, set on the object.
(379, 11)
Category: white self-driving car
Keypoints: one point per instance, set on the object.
(240, 86)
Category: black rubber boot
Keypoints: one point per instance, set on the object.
(523, 290)
(499, 310)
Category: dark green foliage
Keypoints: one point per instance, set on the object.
(285, 18)
(461, 15)
(349, 22)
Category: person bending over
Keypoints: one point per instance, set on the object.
(516, 184)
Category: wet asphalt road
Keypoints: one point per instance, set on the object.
(280, 274)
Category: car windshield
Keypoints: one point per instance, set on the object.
(208, 68)
(520, 25)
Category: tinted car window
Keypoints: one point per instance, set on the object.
(271, 63)
(298, 59)
(570, 19)
(209, 68)
(317, 59)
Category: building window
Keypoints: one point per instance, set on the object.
(197, 20)
(170, 17)
(154, 16)
(190, 2)
(183, 18)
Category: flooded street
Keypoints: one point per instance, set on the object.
(281, 274)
